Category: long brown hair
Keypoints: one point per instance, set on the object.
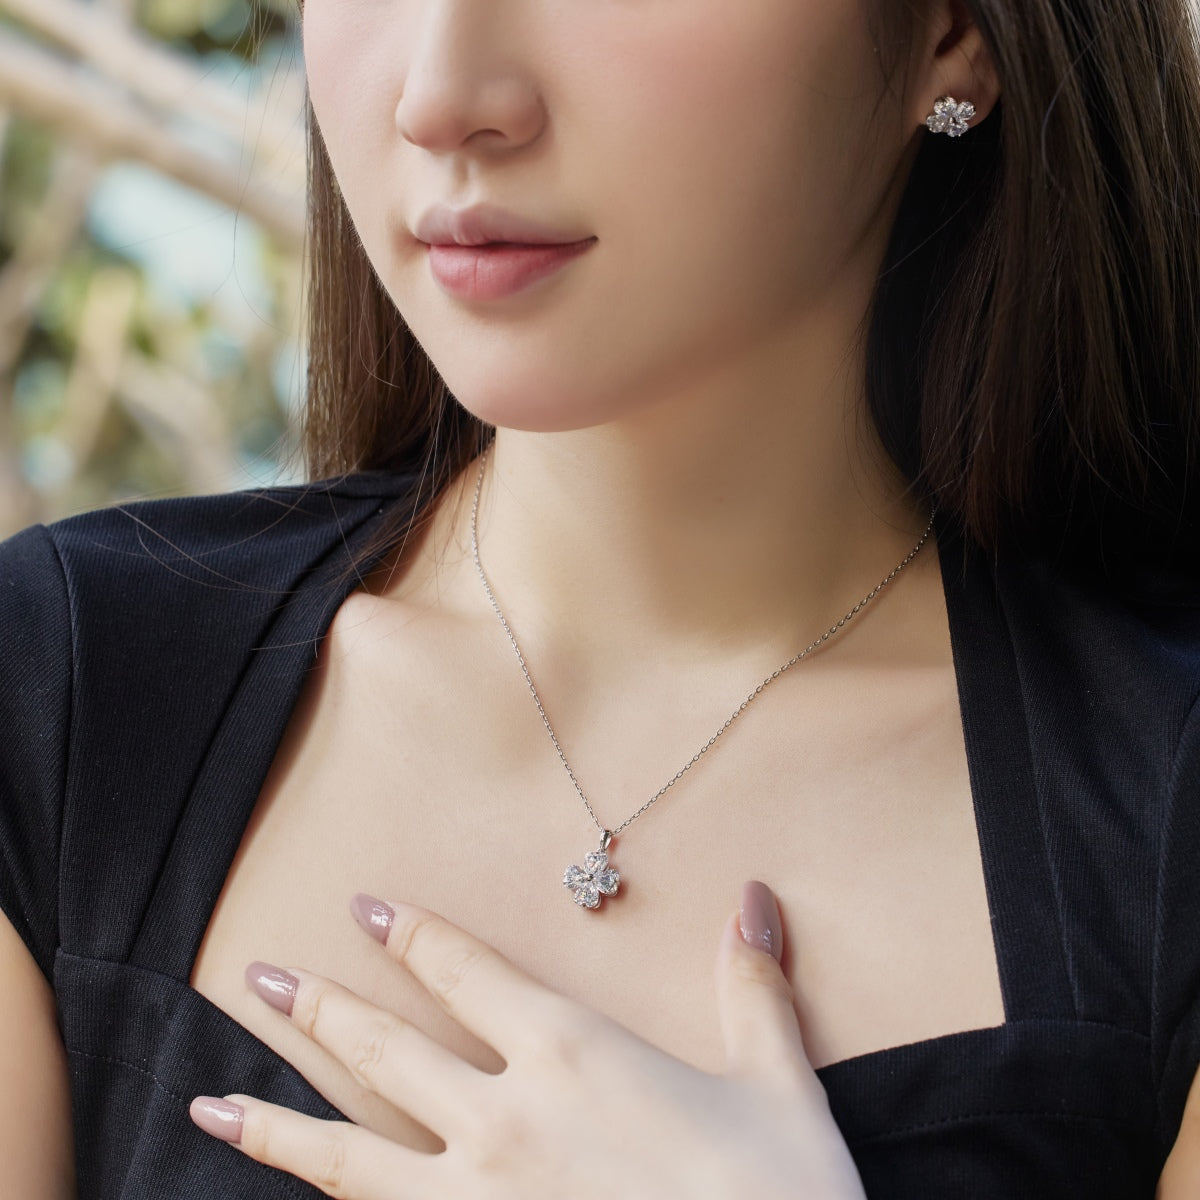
(1032, 359)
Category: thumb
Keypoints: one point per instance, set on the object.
(755, 1001)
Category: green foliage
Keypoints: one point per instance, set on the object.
(26, 157)
(201, 26)
(153, 357)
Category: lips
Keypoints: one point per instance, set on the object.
(488, 253)
(485, 224)
(497, 270)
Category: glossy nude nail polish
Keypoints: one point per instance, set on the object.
(275, 986)
(759, 920)
(221, 1118)
(373, 915)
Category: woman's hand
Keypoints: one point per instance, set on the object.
(583, 1107)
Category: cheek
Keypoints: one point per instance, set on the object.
(349, 54)
(734, 162)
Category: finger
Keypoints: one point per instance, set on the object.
(755, 1001)
(474, 983)
(337, 1157)
(385, 1053)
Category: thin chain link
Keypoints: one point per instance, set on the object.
(733, 716)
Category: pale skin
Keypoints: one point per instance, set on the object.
(579, 1098)
(682, 495)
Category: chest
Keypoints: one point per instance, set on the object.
(849, 796)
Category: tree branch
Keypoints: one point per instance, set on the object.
(43, 87)
(130, 59)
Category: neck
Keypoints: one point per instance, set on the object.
(701, 524)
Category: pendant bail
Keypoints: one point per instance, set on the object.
(604, 841)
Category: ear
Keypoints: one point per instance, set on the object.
(952, 59)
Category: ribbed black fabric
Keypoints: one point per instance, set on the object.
(150, 659)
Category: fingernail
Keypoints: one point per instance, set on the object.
(276, 987)
(218, 1117)
(373, 915)
(759, 919)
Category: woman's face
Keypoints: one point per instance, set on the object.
(730, 160)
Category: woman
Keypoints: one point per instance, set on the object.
(858, 359)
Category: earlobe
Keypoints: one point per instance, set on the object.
(958, 63)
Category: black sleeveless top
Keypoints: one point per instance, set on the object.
(150, 658)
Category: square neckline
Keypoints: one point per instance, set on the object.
(1027, 934)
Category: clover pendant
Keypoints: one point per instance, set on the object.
(594, 879)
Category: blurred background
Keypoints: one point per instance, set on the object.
(152, 173)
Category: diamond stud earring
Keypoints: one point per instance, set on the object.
(950, 116)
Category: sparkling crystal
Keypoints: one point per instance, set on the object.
(591, 881)
(950, 117)
(607, 881)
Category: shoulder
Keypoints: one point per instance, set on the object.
(249, 537)
(35, 687)
(33, 608)
(127, 633)
(163, 590)
(149, 571)
(1120, 651)
(1109, 667)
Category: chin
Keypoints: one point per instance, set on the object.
(539, 409)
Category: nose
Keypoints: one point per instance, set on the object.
(466, 80)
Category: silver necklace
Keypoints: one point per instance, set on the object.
(596, 878)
